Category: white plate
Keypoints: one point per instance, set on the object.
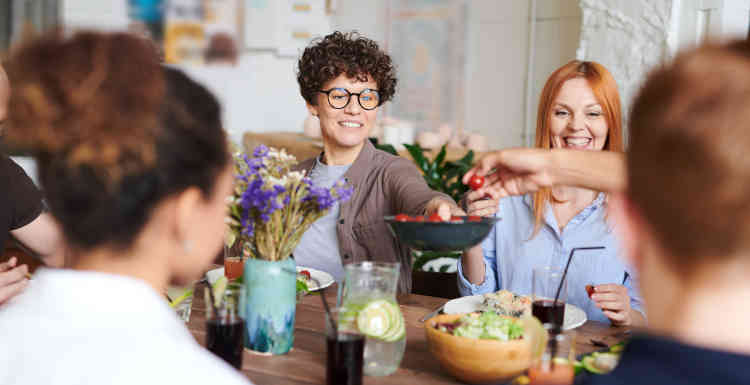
(323, 278)
(574, 315)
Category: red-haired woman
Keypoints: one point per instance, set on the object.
(579, 109)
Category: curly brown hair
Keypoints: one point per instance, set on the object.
(114, 133)
(96, 97)
(350, 53)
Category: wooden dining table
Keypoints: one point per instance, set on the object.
(306, 362)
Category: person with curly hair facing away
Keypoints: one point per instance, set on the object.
(344, 79)
(136, 169)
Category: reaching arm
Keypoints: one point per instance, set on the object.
(519, 171)
(413, 195)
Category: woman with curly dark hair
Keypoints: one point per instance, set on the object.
(344, 79)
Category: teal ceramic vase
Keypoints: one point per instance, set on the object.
(270, 290)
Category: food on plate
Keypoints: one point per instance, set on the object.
(418, 218)
(476, 182)
(507, 303)
(456, 219)
(487, 325)
(474, 218)
(304, 277)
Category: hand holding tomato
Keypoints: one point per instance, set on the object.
(476, 182)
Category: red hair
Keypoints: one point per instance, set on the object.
(604, 87)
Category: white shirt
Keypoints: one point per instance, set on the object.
(74, 327)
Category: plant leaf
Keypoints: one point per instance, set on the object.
(417, 153)
(440, 156)
(468, 158)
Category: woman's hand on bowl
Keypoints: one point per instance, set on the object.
(444, 208)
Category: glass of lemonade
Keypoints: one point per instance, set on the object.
(181, 299)
(369, 301)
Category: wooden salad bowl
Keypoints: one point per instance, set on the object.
(478, 361)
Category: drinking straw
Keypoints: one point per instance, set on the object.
(328, 310)
(567, 265)
(558, 328)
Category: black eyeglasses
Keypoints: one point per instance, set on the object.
(339, 98)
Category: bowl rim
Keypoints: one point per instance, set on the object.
(429, 326)
(465, 220)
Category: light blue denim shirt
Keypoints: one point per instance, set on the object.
(510, 254)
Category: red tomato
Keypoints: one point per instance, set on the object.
(590, 290)
(475, 218)
(435, 218)
(402, 218)
(418, 218)
(305, 273)
(455, 218)
(476, 182)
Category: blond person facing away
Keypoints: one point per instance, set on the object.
(579, 109)
(344, 79)
(682, 209)
(22, 216)
(134, 162)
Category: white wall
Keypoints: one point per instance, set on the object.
(627, 37)
(259, 94)
(631, 37)
(555, 30)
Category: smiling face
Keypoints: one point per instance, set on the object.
(345, 128)
(577, 119)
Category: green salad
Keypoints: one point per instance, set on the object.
(487, 325)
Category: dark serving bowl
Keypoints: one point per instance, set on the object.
(441, 236)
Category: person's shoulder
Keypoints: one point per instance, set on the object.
(9, 168)
(385, 158)
(188, 363)
(304, 165)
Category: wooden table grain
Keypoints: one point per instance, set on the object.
(306, 363)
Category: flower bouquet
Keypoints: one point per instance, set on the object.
(272, 206)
